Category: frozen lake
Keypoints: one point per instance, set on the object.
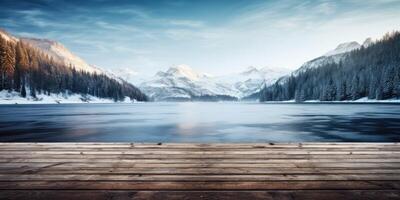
(200, 122)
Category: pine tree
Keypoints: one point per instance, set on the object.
(23, 91)
(7, 58)
(388, 82)
(21, 65)
(33, 92)
(372, 72)
(396, 87)
(341, 94)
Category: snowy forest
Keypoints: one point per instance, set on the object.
(372, 72)
(26, 70)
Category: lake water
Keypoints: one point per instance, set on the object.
(200, 122)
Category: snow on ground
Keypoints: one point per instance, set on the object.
(366, 100)
(15, 98)
(361, 100)
(62, 98)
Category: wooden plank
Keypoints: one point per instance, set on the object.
(198, 178)
(201, 157)
(259, 185)
(209, 165)
(196, 151)
(196, 195)
(199, 171)
(196, 161)
(160, 152)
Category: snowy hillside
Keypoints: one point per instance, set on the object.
(55, 50)
(333, 56)
(252, 79)
(343, 48)
(61, 98)
(177, 82)
(8, 37)
(126, 74)
(184, 82)
(61, 54)
(362, 74)
(41, 71)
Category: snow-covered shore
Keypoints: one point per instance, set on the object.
(15, 98)
(361, 100)
(62, 98)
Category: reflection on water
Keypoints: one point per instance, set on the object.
(200, 122)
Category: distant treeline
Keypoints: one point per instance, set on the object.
(214, 98)
(372, 72)
(205, 98)
(23, 68)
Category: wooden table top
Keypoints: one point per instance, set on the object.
(199, 171)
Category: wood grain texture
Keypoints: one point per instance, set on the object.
(199, 171)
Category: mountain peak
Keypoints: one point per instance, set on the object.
(8, 37)
(343, 48)
(181, 68)
(367, 42)
(55, 50)
(184, 71)
(250, 70)
(60, 53)
(44, 44)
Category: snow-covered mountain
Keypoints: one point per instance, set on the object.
(61, 54)
(52, 51)
(184, 82)
(178, 82)
(55, 50)
(252, 79)
(333, 56)
(343, 48)
(367, 42)
(126, 74)
(8, 37)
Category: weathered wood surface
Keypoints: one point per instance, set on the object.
(199, 171)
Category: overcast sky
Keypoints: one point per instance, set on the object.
(213, 36)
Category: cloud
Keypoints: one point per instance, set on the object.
(326, 8)
(30, 13)
(117, 27)
(186, 34)
(186, 23)
(131, 12)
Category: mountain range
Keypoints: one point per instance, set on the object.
(176, 82)
(182, 82)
